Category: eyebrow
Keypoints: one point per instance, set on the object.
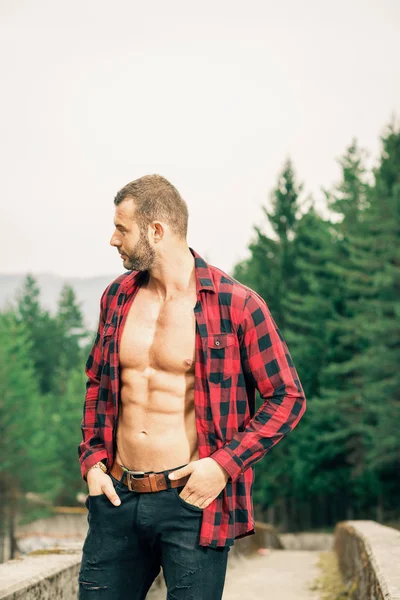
(119, 225)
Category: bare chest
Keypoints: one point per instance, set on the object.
(159, 335)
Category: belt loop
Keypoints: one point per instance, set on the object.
(153, 482)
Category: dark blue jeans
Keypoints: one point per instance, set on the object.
(127, 545)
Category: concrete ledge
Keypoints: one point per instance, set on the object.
(48, 575)
(307, 540)
(265, 536)
(369, 559)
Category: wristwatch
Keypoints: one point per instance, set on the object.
(99, 465)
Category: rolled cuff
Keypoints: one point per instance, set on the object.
(231, 463)
(93, 458)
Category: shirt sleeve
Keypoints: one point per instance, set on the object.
(91, 450)
(267, 364)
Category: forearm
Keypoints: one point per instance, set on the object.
(90, 453)
(91, 449)
(270, 424)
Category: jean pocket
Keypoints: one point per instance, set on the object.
(177, 491)
(117, 483)
(118, 486)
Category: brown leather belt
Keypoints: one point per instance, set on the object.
(151, 482)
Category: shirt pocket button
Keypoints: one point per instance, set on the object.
(222, 355)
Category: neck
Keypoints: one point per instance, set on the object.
(173, 273)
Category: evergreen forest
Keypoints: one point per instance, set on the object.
(332, 284)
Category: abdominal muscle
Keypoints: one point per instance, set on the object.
(156, 424)
(156, 427)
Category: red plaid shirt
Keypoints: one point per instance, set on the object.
(239, 349)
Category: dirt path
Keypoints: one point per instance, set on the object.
(280, 575)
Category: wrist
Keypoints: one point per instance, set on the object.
(99, 466)
(223, 470)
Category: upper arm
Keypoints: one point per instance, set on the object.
(94, 361)
(265, 356)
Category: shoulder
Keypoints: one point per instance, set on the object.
(116, 286)
(226, 284)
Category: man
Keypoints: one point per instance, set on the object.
(170, 432)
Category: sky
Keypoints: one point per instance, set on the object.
(213, 95)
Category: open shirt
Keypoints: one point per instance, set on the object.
(238, 350)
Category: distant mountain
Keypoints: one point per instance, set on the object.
(87, 290)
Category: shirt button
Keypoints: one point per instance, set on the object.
(217, 342)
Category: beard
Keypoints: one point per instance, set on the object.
(143, 255)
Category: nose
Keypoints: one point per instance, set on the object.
(114, 242)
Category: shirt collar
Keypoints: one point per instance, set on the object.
(204, 280)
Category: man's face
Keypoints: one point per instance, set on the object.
(131, 242)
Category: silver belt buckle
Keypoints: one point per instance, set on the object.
(129, 479)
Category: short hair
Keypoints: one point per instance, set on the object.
(155, 198)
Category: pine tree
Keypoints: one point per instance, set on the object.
(72, 334)
(27, 442)
(270, 272)
(342, 395)
(43, 332)
(377, 256)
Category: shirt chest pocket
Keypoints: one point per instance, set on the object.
(222, 357)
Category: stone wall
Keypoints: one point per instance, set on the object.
(47, 575)
(369, 559)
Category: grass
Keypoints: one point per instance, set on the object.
(329, 582)
(50, 551)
